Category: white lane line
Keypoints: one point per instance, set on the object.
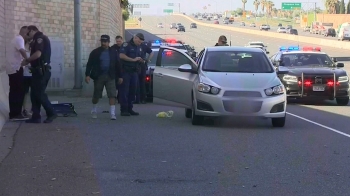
(321, 125)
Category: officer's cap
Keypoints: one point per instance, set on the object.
(140, 35)
(105, 38)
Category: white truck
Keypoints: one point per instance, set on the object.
(344, 32)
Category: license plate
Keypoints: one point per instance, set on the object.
(318, 88)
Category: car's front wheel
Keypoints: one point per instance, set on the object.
(196, 119)
(278, 122)
(342, 101)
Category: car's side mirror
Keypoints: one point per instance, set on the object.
(282, 71)
(340, 64)
(334, 59)
(186, 68)
(274, 63)
(267, 52)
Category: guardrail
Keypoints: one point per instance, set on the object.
(295, 38)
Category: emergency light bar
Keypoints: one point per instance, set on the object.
(310, 48)
(290, 48)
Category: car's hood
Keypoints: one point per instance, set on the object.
(240, 80)
(313, 70)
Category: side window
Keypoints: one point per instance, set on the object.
(172, 59)
(278, 57)
(200, 57)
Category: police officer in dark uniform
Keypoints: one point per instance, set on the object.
(141, 87)
(130, 56)
(39, 59)
(222, 41)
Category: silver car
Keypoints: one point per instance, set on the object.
(225, 81)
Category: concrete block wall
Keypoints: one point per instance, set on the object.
(56, 19)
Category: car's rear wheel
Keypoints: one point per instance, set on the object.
(342, 101)
(278, 122)
(196, 119)
(188, 113)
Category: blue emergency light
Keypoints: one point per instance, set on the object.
(157, 42)
(290, 48)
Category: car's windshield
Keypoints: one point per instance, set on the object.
(306, 59)
(237, 61)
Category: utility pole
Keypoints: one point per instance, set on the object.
(315, 13)
(77, 46)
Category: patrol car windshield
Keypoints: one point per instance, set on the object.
(237, 61)
(306, 59)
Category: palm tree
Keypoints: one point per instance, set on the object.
(331, 6)
(269, 6)
(256, 4)
(244, 2)
(263, 5)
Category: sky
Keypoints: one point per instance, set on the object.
(191, 6)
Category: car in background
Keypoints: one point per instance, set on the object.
(193, 26)
(160, 25)
(306, 29)
(292, 31)
(216, 22)
(252, 24)
(330, 32)
(260, 47)
(257, 43)
(279, 25)
(312, 74)
(173, 26)
(242, 24)
(181, 28)
(226, 22)
(208, 18)
(177, 25)
(225, 81)
(264, 27)
(289, 27)
(281, 30)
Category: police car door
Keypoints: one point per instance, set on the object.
(168, 82)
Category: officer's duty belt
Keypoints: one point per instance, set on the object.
(127, 68)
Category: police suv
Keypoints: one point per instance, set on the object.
(151, 65)
(312, 74)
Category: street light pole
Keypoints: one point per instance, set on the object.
(77, 45)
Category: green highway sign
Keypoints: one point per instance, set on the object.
(170, 4)
(291, 6)
(168, 11)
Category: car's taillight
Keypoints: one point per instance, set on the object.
(148, 78)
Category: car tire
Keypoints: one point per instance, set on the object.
(278, 122)
(188, 113)
(196, 120)
(342, 101)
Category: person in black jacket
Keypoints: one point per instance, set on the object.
(103, 67)
(116, 47)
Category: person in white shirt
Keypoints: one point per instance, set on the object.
(27, 80)
(15, 54)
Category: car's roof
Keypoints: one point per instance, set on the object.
(255, 46)
(256, 42)
(233, 48)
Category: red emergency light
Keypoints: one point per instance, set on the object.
(168, 53)
(172, 41)
(331, 83)
(310, 48)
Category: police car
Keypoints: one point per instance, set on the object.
(312, 74)
(151, 65)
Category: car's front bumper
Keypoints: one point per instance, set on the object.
(220, 105)
(294, 90)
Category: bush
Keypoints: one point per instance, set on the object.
(125, 14)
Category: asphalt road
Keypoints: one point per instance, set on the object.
(273, 28)
(146, 155)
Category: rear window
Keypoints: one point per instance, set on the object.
(237, 61)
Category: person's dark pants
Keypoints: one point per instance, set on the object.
(38, 95)
(127, 91)
(141, 85)
(16, 94)
(27, 81)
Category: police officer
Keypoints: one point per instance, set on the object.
(130, 56)
(141, 87)
(39, 59)
(222, 41)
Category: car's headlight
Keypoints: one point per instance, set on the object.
(343, 79)
(204, 88)
(289, 78)
(276, 90)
